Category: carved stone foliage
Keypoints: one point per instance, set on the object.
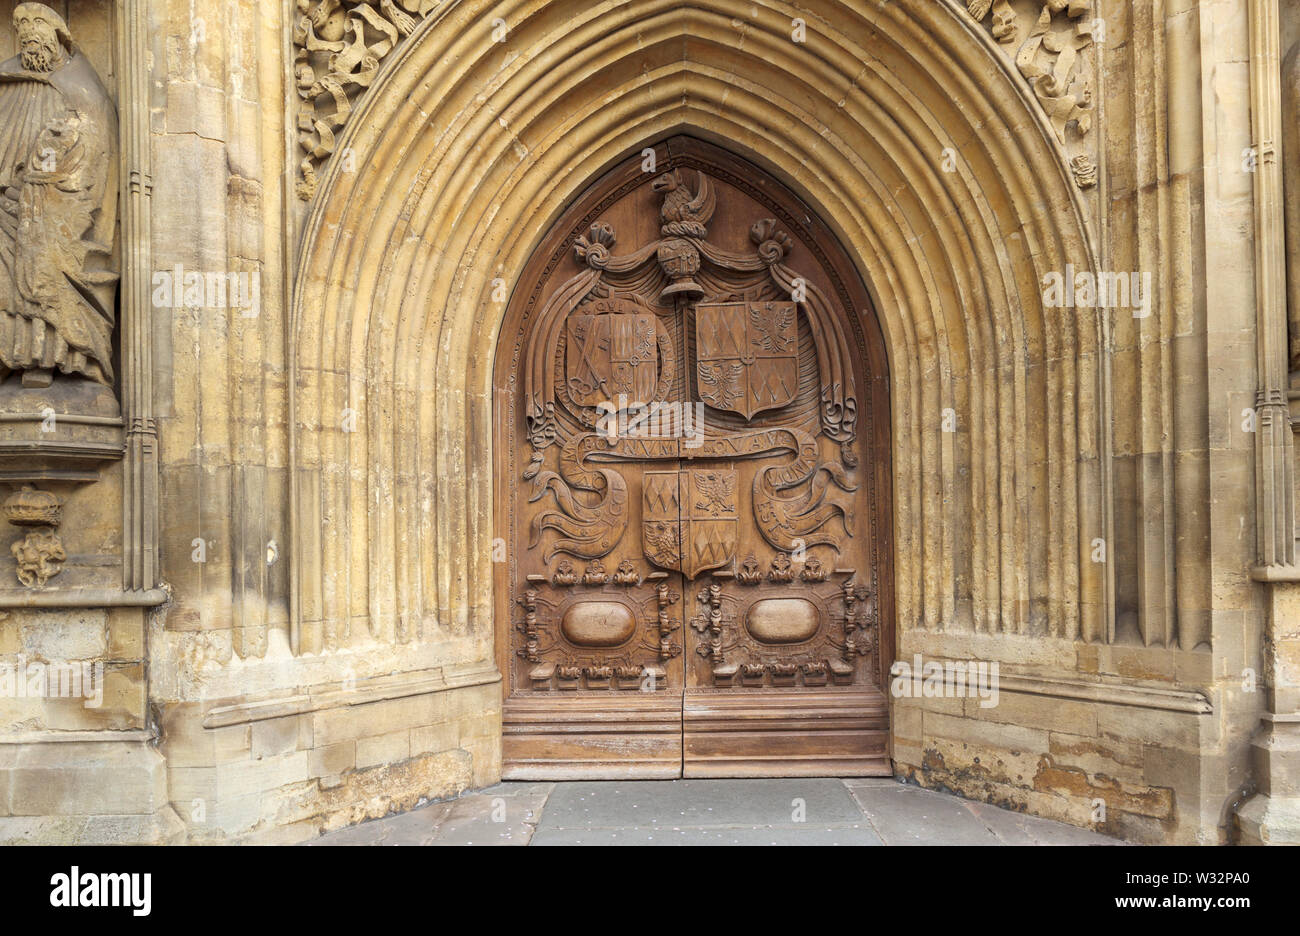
(1047, 40)
(339, 46)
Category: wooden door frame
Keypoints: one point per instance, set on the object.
(874, 408)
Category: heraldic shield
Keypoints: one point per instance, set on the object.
(611, 354)
(747, 355)
(690, 523)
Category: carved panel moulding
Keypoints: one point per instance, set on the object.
(338, 48)
(1047, 40)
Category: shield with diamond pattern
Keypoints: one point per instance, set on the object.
(689, 519)
(747, 355)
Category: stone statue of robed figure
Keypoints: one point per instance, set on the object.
(58, 208)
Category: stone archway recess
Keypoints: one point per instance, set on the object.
(468, 150)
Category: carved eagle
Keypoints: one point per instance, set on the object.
(772, 335)
(724, 379)
(717, 489)
(661, 542)
(681, 206)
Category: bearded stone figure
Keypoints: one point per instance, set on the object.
(58, 208)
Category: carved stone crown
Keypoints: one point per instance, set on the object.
(30, 507)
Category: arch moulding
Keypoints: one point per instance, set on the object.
(467, 150)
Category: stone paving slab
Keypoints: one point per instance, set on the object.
(773, 835)
(909, 815)
(505, 814)
(904, 815)
(712, 812)
(501, 815)
(699, 804)
(1013, 828)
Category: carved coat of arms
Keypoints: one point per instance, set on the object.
(747, 355)
(690, 523)
(612, 353)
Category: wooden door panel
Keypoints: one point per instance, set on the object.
(693, 487)
(786, 733)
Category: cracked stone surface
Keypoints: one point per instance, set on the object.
(712, 812)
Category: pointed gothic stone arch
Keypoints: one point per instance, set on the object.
(465, 153)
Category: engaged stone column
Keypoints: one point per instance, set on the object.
(1272, 815)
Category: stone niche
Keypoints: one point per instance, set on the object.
(63, 366)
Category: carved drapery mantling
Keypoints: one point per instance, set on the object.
(667, 269)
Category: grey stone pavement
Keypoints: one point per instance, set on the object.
(711, 812)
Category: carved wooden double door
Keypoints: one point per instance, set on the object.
(693, 487)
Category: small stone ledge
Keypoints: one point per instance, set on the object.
(379, 689)
(76, 737)
(1190, 701)
(13, 598)
(1276, 573)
